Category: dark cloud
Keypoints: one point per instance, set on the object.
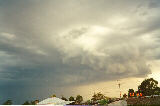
(59, 44)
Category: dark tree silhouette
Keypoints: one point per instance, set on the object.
(124, 95)
(8, 102)
(63, 98)
(148, 87)
(71, 98)
(130, 91)
(98, 96)
(79, 99)
(26, 103)
(31, 103)
(157, 91)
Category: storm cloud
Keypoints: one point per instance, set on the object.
(58, 43)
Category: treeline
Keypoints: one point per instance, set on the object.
(97, 98)
(148, 87)
(9, 102)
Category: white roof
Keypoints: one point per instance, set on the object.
(152, 95)
(54, 101)
(147, 96)
(156, 95)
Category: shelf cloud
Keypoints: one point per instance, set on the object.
(58, 43)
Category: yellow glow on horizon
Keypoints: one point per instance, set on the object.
(108, 88)
(155, 67)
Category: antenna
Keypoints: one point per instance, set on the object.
(119, 85)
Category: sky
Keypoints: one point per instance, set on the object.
(70, 47)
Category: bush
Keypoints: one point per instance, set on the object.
(103, 102)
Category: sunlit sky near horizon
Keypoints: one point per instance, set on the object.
(70, 47)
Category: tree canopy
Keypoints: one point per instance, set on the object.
(53, 95)
(71, 98)
(26, 103)
(63, 98)
(8, 102)
(98, 96)
(149, 87)
(79, 99)
(130, 91)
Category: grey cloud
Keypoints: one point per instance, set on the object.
(60, 43)
(123, 54)
(154, 4)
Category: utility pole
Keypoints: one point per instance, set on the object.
(119, 85)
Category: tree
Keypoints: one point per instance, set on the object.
(53, 96)
(124, 95)
(130, 91)
(103, 102)
(8, 102)
(71, 98)
(79, 99)
(148, 87)
(26, 103)
(157, 91)
(63, 98)
(31, 103)
(88, 102)
(35, 102)
(98, 96)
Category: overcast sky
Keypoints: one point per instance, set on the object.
(68, 47)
